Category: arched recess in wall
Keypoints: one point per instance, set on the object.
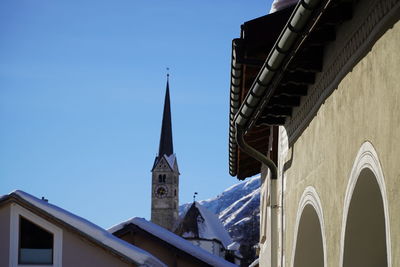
(309, 247)
(365, 238)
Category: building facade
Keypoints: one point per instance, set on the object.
(34, 232)
(203, 228)
(172, 249)
(326, 104)
(165, 175)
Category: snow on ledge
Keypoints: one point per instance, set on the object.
(101, 235)
(171, 160)
(174, 240)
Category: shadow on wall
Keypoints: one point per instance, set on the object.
(365, 237)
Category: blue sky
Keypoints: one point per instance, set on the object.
(82, 86)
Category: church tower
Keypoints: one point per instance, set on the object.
(165, 175)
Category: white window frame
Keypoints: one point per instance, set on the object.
(16, 212)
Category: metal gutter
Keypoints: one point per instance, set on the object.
(236, 78)
(286, 44)
(258, 92)
(263, 87)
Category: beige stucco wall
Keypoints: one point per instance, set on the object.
(364, 107)
(77, 252)
(4, 234)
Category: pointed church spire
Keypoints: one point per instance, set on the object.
(166, 146)
(165, 175)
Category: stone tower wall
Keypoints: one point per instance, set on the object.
(164, 209)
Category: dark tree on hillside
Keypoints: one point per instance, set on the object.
(248, 234)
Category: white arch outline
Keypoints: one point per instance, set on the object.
(367, 158)
(309, 197)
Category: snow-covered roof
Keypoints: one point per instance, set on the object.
(237, 208)
(281, 4)
(199, 222)
(170, 160)
(99, 234)
(174, 240)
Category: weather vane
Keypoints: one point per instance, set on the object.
(194, 196)
(167, 72)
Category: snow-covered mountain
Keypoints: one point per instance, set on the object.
(238, 208)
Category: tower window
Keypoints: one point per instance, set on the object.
(175, 192)
(35, 244)
(162, 178)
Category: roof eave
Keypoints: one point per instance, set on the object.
(21, 201)
(267, 79)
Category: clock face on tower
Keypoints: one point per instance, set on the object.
(161, 191)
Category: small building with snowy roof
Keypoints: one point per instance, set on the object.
(203, 228)
(165, 245)
(35, 232)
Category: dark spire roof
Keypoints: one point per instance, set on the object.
(189, 223)
(166, 146)
(200, 223)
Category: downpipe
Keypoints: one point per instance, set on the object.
(275, 208)
(254, 153)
